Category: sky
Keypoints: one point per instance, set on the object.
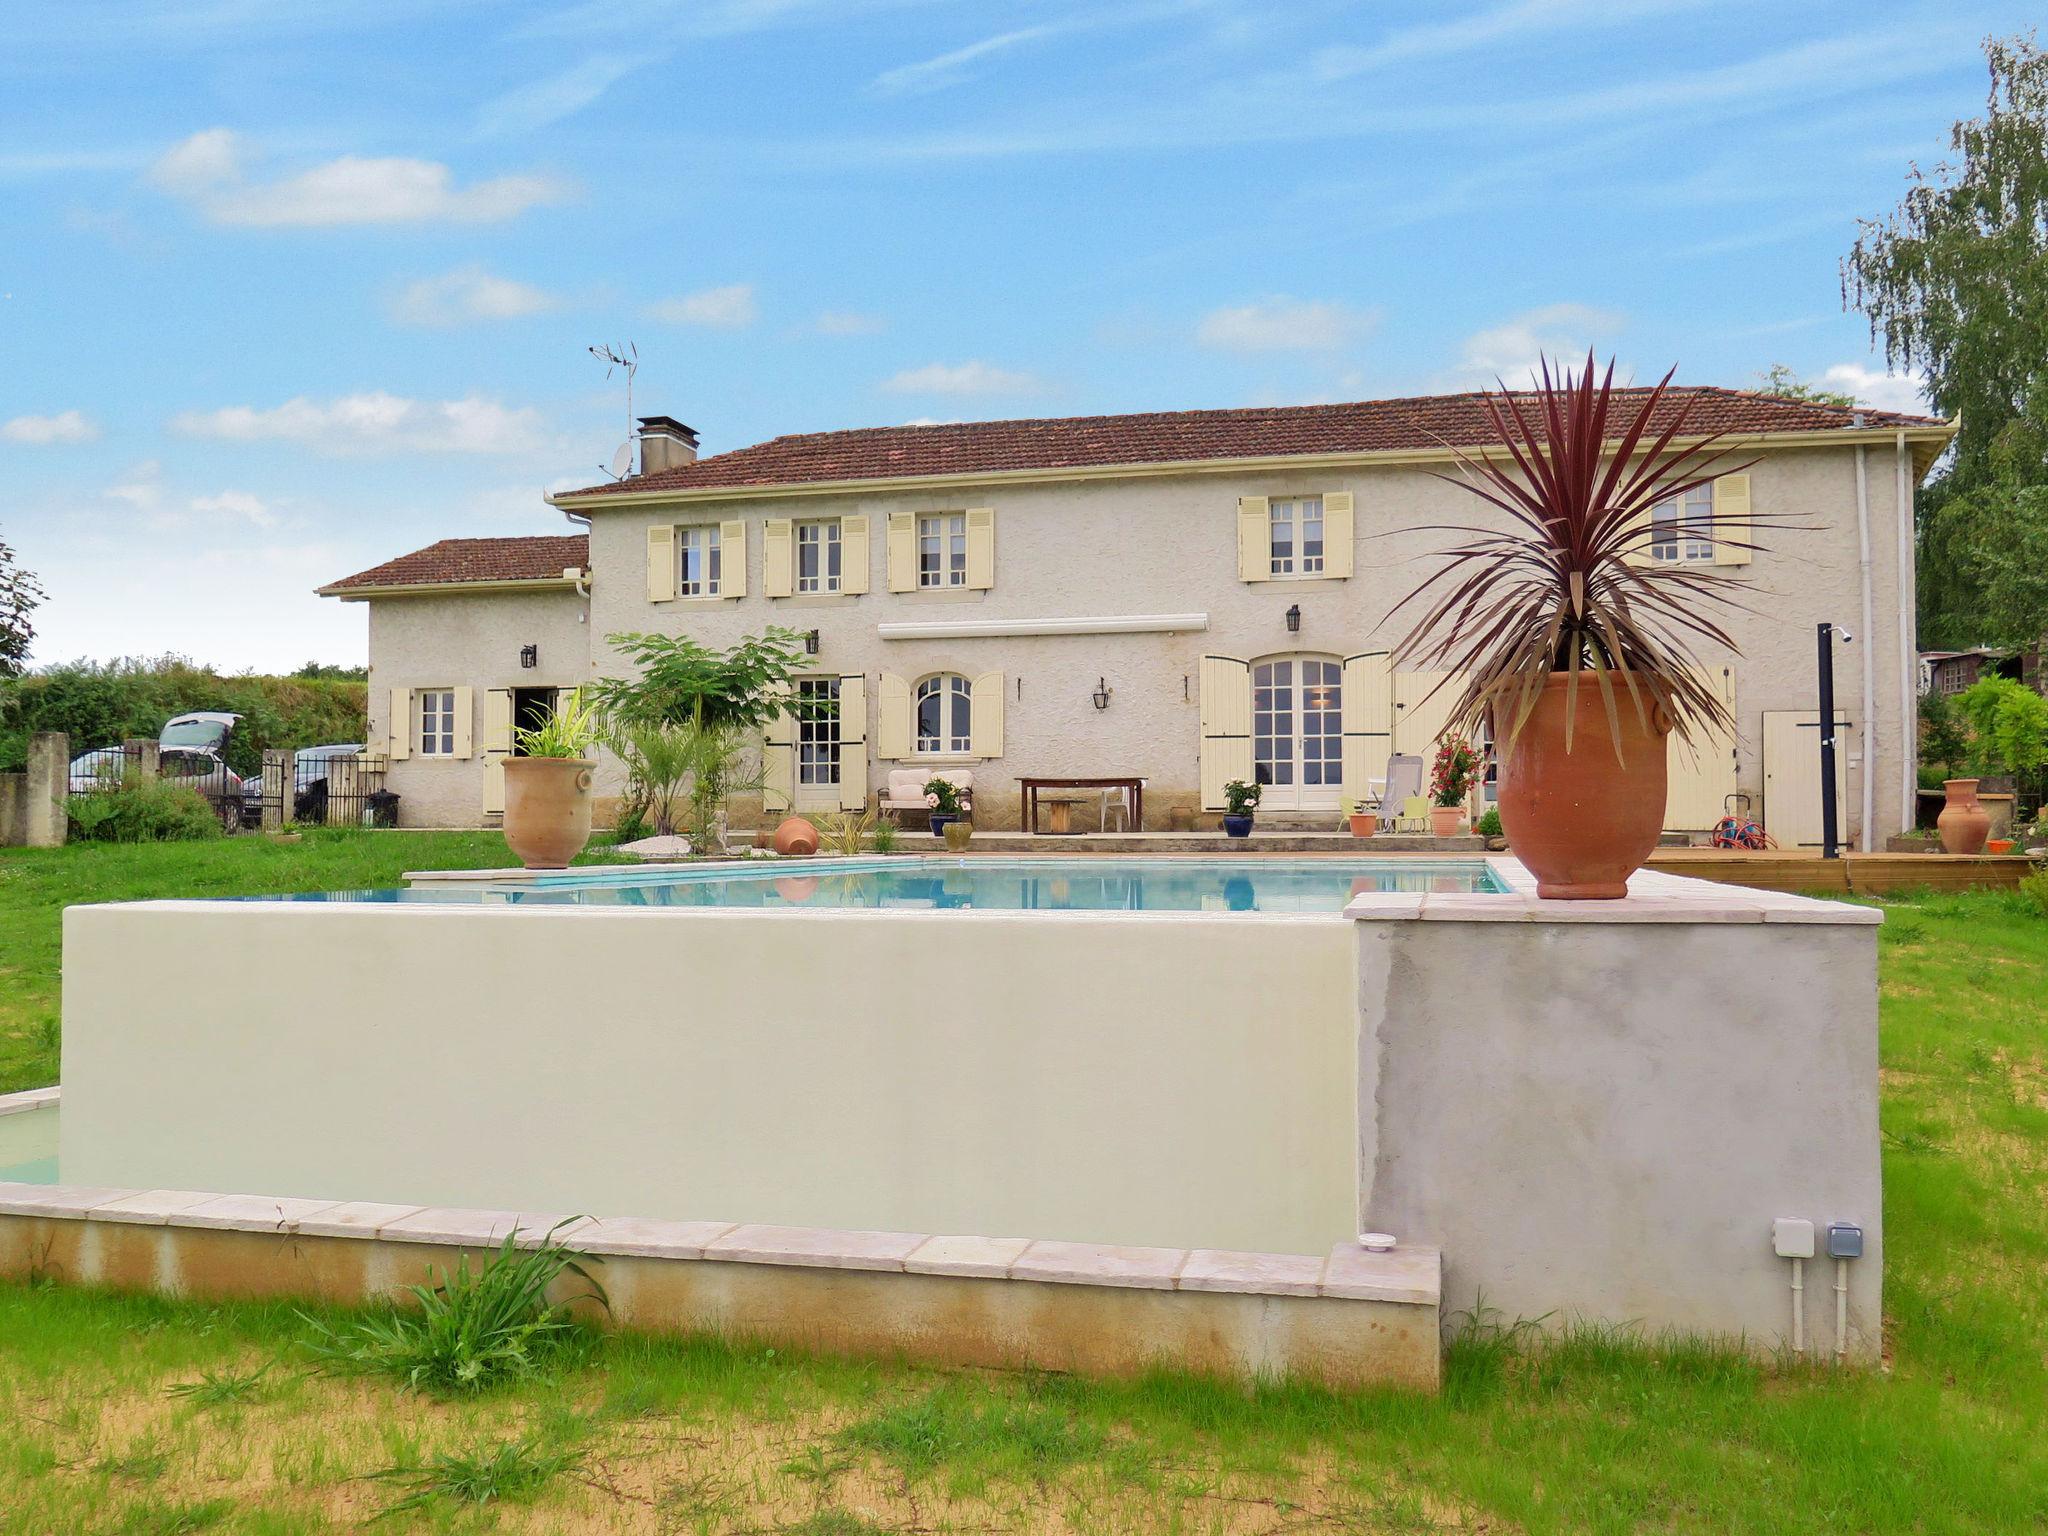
(288, 289)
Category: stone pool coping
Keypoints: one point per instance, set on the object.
(1654, 896)
(1349, 1318)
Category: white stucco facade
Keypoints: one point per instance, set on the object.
(1124, 581)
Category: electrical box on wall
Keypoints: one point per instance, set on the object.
(1792, 1238)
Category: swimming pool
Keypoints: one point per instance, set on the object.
(1096, 884)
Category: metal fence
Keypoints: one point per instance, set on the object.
(317, 789)
(108, 768)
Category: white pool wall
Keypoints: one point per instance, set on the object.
(1179, 1080)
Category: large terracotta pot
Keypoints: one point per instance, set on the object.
(796, 836)
(547, 809)
(1444, 820)
(1964, 822)
(1582, 821)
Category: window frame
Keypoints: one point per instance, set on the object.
(830, 546)
(949, 572)
(1294, 514)
(441, 743)
(813, 747)
(952, 687)
(712, 582)
(1686, 545)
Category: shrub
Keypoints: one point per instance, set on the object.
(1489, 824)
(144, 811)
(2035, 889)
(472, 1329)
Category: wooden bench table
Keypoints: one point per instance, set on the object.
(1062, 807)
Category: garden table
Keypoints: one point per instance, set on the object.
(1030, 787)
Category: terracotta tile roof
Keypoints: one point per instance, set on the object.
(454, 561)
(1075, 442)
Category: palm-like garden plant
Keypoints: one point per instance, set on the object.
(1569, 586)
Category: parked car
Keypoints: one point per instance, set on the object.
(309, 778)
(189, 749)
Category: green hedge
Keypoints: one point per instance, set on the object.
(99, 704)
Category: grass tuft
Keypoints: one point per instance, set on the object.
(513, 1470)
(215, 1389)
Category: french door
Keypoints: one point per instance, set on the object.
(1298, 732)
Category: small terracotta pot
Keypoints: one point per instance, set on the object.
(1582, 821)
(1364, 824)
(547, 809)
(1445, 819)
(1964, 823)
(1998, 845)
(796, 836)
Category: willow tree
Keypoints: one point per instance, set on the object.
(1955, 284)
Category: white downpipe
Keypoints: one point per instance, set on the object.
(1799, 1307)
(1867, 776)
(1909, 661)
(1841, 1310)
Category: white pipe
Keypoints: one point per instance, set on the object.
(1799, 1306)
(1867, 778)
(1841, 1310)
(1909, 661)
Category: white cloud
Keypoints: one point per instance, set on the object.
(935, 74)
(726, 309)
(841, 322)
(1281, 324)
(141, 487)
(235, 506)
(1881, 391)
(558, 96)
(376, 422)
(208, 170)
(64, 427)
(974, 378)
(1509, 353)
(468, 293)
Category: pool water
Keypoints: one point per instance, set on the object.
(1096, 884)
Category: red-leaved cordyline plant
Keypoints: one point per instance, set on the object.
(1569, 586)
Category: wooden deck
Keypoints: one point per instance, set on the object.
(1867, 874)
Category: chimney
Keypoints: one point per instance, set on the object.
(665, 443)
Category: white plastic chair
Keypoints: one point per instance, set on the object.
(1403, 783)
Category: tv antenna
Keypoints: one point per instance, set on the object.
(615, 359)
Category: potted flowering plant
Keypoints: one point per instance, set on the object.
(943, 797)
(1239, 801)
(1450, 780)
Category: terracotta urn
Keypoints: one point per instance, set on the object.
(1444, 820)
(1963, 822)
(1582, 821)
(796, 836)
(547, 809)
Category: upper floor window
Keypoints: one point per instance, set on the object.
(817, 556)
(1683, 528)
(437, 722)
(1297, 536)
(945, 714)
(698, 561)
(817, 730)
(942, 550)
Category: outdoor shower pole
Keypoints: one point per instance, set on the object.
(1829, 841)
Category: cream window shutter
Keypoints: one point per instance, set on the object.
(981, 548)
(732, 558)
(778, 557)
(1226, 726)
(1368, 720)
(892, 719)
(398, 733)
(1337, 534)
(661, 564)
(778, 760)
(1731, 517)
(853, 554)
(985, 715)
(497, 742)
(465, 705)
(1254, 538)
(902, 552)
(853, 743)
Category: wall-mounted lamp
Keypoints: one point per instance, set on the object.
(1102, 692)
(810, 642)
(529, 655)
(1294, 619)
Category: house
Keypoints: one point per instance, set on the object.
(1194, 596)
(1951, 672)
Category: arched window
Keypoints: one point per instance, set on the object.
(945, 714)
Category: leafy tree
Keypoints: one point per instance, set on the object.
(19, 596)
(1781, 380)
(1955, 283)
(684, 683)
(2011, 722)
(1944, 739)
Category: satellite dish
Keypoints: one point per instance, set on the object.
(622, 461)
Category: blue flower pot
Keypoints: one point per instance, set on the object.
(1237, 826)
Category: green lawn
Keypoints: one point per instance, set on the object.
(1598, 1434)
